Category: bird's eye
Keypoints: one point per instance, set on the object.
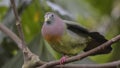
(52, 15)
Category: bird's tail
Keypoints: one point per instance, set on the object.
(97, 39)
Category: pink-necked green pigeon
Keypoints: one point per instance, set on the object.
(69, 38)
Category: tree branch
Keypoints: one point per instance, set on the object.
(83, 55)
(18, 23)
(11, 35)
(7, 31)
(114, 64)
(30, 59)
(17, 40)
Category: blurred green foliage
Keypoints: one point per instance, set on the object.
(93, 14)
(103, 6)
(32, 18)
(2, 12)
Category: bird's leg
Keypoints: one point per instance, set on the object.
(63, 59)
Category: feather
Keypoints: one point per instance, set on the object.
(97, 38)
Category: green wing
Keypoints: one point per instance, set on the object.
(96, 38)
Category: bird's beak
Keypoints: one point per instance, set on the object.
(47, 18)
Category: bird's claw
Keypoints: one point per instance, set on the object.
(63, 59)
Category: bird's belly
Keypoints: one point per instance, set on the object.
(69, 49)
(52, 39)
(69, 45)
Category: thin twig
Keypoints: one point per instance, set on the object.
(7, 31)
(18, 23)
(83, 55)
(30, 59)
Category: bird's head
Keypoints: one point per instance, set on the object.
(49, 18)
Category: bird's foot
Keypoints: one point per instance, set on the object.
(63, 59)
